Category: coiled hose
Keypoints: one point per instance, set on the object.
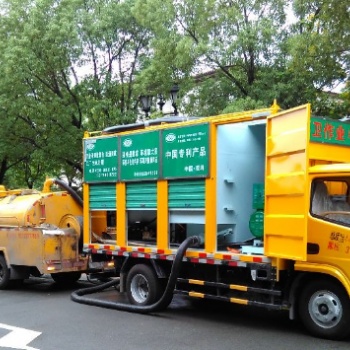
(161, 304)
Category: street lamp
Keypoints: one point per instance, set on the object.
(161, 102)
(146, 103)
(173, 94)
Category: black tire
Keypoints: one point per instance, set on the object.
(143, 286)
(324, 309)
(66, 278)
(4, 273)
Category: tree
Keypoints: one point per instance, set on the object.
(114, 47)
(237, 40)
(320, 50)
(251, 49)
(37, 59)
(67, 66)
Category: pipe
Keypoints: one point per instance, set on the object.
(161, 304)
(49, 182)
(47, 185)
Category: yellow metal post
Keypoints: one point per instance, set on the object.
(86, 213)
(162, 215)
(121, 214)
(210, 196)
(275, 108)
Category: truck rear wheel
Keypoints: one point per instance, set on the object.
(324, 309)
(142, 285)
(4, 273)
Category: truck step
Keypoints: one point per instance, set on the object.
(240, 301)
(233, 293)
(236, 287)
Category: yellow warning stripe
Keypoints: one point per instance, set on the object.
(196, 295)
(246, 258)
(239, 301)
(237, 287)
(201, 283)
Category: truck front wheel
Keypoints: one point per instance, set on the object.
(142, 285)
(324, 308)
(4, 273)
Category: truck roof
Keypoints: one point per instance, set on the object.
(174, 121)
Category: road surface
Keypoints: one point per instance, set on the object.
(41, 315)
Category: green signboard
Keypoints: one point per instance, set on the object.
(100, 159)
(181, 152)
(139, 156)
(329, 131)
(185, 151)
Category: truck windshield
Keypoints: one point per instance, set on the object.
(330, 200)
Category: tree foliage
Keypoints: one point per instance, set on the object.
(234, 39)
(253, 45)
(64, 70)
(320, 48)
(73, 65)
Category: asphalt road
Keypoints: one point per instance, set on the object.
(41, 306)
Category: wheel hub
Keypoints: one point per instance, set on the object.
(325, 309)
(139, 288)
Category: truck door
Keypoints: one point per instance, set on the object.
(287, 191)
(329, 224)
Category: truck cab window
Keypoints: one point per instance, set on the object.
(330, 200)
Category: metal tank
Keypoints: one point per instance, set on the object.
(31, 208)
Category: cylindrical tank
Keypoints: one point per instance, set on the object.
(30, 208)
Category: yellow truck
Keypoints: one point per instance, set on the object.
(41, 233)
(267, 191)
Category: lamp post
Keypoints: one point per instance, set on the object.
(161, 102)
(173, 94)
(146, 103)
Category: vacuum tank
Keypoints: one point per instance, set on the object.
(32, 208)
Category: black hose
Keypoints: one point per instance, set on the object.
(161, 304)
(70, 190)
